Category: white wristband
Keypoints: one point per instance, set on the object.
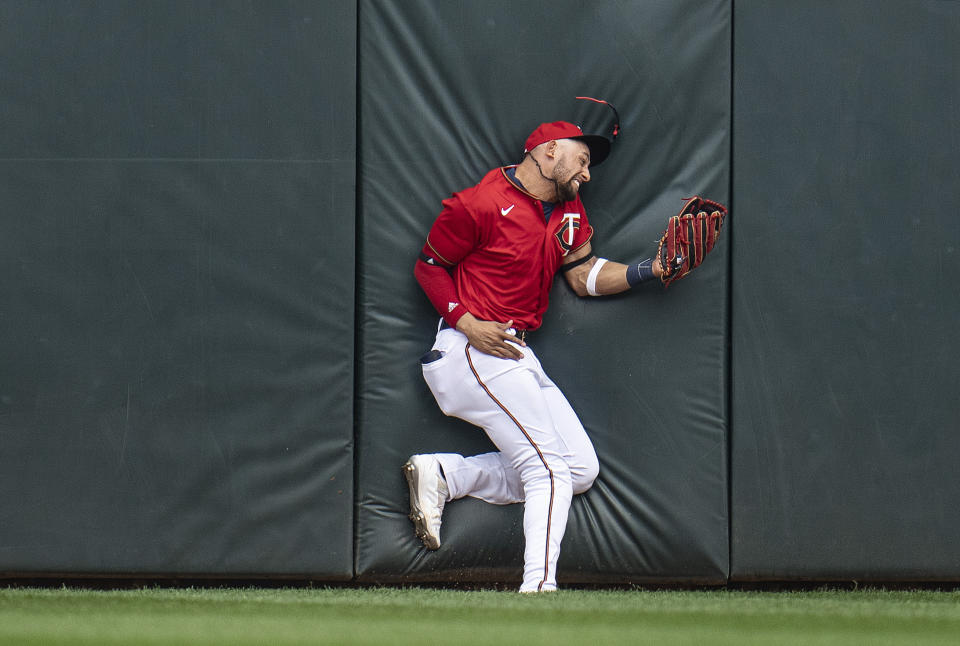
(592, 277)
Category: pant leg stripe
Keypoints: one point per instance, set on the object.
(546, 563)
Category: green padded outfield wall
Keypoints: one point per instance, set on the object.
(846, 305)
(450, 90)
(203, 304)
(177, 189)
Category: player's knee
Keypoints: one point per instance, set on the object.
(545, 468)
(586, 474)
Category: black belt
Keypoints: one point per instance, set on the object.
(520, 334)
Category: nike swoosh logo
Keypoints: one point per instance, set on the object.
(506, 211)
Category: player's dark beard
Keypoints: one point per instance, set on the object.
(566, 191)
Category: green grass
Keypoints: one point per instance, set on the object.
(459, 618)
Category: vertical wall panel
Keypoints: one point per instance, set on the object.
(177, 246)
(846, 304)
(449, 90)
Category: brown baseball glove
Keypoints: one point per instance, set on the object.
(690, 236)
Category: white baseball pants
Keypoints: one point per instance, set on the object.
(544, 458)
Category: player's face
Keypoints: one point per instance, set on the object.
(572, 168)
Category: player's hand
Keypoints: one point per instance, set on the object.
(490, 337)
(656, 267)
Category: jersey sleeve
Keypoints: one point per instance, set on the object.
(453, 235)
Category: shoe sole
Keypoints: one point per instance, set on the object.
(416, 515)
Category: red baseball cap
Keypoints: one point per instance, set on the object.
(599, 146)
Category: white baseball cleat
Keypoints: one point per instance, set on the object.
(428, 495)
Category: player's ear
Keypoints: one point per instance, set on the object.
(552, 147)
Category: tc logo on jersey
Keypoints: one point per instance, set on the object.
(568, 229)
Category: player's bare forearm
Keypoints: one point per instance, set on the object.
(490, 337)
(610, 278)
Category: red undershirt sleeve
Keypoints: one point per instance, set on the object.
(437, 284)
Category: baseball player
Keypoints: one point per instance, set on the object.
(487, 267)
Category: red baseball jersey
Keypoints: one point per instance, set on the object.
(503, 251)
